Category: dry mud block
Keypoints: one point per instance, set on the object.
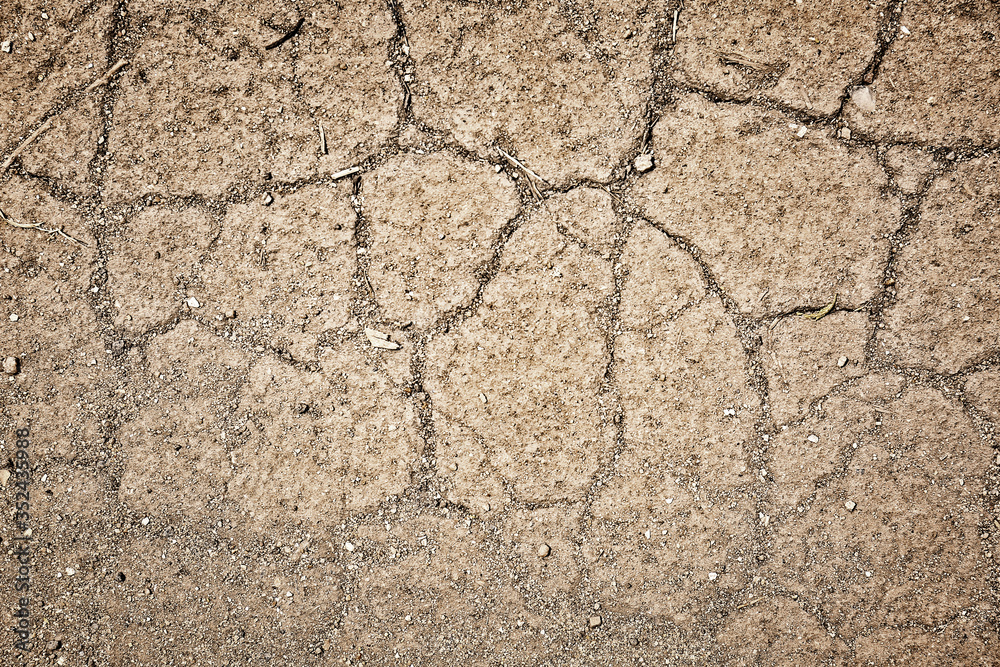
(779, 632)
(983, 391)
(322, 443)
(564, 87)
(225, 601)
(49, 326)
(783, 221)
(662, 548)
(203, 105)
(434, 222)
(152, 260)
(939, 84)
(798, 55)
(804, 359)
(891, 537)
(64, 152)
(963, 641)
(281, 273)
(947, 310)
(670, 529)
(48, 58)
(176, 454)
(681, 372)
(262, 438)
(525, 372)
(431, 574)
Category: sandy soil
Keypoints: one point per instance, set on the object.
(500, 333)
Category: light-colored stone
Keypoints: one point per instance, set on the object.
(11, 365)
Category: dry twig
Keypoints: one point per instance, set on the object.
(31, 137)
(38, 226)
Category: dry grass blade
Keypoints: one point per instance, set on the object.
(530, 176)
(38, 226)
(822, 312)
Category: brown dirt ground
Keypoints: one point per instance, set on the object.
(450, 408)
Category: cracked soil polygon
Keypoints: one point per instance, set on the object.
(570, 111)
(782, 221)
(804, 60)
(434, 222)
(945, 314)
(939, 83)
(540, 319)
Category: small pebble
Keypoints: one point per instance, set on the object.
(13, 317)
(845, 133)
(544, 550)
(348, 546)
(712, 576)
(11, 366)
(802, 131)
(644, 163)
(145, 521)
(230, 314)
(813, 438)
(842, 362)
(53, 645)
(595, 621)
(5, 47)
(850, 505)
(268, 199)
(31, 36)
(70, 571)
(193, 302)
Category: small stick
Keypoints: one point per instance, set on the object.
(751, 602)
(281, 40)
(110, 73)
(514, 161)
(673, 32)
(322, 139)
(17, 151)
(346, 172)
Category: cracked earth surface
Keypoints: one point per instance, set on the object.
(503, 333)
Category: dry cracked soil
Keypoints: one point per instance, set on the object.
(480, 332)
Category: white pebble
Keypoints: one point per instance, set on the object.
(13, 317)
(813, 438)
(193, 302)
(348, 546)
(712, 576)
